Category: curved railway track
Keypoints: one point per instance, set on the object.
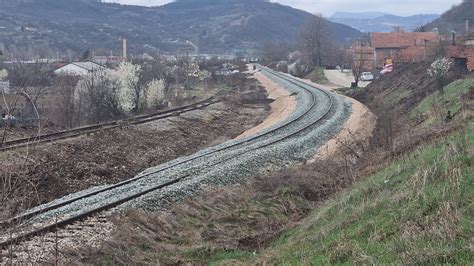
(224, 154)
(76, 132)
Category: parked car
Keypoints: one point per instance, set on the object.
(367, 76)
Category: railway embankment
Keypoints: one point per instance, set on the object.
(320, 114)
(407, 197)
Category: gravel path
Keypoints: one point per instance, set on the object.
(342, 79)
(290, 141)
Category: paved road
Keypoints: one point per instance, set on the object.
(342, 79)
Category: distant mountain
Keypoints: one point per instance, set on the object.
(358, 15)
(201, 26)
(455, 18)
(384, 23)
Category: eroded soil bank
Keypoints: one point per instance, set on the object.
(282, 106)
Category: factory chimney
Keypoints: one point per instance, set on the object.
(124, 49)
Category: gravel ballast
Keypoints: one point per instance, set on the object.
(289, 142)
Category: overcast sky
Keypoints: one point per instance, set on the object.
(328, 7)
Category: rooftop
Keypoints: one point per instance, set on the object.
(401, 39)
(88, 65)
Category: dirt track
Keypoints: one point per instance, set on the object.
(281, 108)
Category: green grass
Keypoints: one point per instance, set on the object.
(317, 75)
(396, 97)
(449, 101)
(212, 256)
(417, 210)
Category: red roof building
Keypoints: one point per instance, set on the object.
(398, 46)
(463, 56)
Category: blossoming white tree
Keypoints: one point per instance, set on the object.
(131, 92)
(155, 92)
(439, 69)
(3, 74)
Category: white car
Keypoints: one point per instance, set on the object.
(366, 76)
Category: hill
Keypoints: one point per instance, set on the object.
(383, 23)
(204, 26)
(454, 19)
(358, 15)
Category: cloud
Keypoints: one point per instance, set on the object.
(328, 7)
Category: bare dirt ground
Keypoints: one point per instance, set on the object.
(342, 79)
(50, 171)
(282, 107)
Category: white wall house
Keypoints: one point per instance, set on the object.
(79, 68)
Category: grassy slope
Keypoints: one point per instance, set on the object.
(416, 210)
(431, 105)
(317, 75)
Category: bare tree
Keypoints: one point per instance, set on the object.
(100, 92)
(360, 61)
(315, 39)
(343, 58)
(276, 51)
(67, 105)
(32, 78)
(421, 27)
(157, 70)
(183, 69)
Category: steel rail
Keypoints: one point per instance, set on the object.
(29, 215)
(76, 132)
(176, 180)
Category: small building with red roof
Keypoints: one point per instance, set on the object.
(397, 46)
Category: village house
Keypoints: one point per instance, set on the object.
(394, 46)
(461, 51)
(79, 68)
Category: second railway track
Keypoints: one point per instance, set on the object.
(319, 115)
(76, 132)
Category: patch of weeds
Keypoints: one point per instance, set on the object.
(435, 107)
(318, 76)
(397, 96)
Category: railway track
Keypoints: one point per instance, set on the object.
(318, 104)
(76, 132)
